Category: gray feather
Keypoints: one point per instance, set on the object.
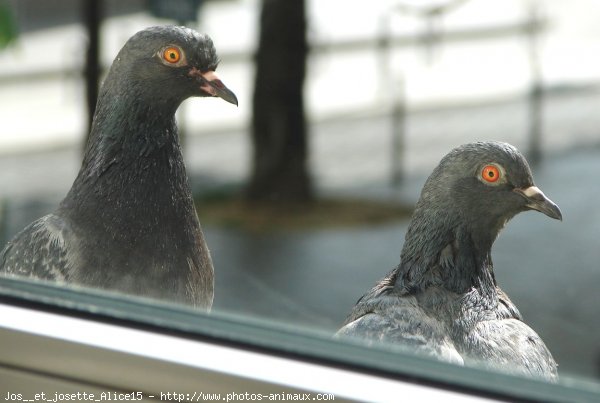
(442, 300)
(129, 223)
(40, 251)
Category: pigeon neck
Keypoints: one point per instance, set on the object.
(443, 250)
(132, 160)
(128, 123)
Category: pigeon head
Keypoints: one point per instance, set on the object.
(171, 64)
(469, 197)
(155, 71)
(487, 183)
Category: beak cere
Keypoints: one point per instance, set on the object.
(211, 85)
(537, 200)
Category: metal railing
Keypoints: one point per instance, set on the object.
(386, 43)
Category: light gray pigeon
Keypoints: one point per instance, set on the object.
(442, 300)
(129, 223)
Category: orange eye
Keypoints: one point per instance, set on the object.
(490, 173)
(172, 54)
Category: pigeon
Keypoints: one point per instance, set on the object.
(128, 223)
(443, 300)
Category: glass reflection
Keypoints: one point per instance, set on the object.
(359, 96)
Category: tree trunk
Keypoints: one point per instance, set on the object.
(279, 132)
(92, 15)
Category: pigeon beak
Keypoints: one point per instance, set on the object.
(213, 86)
(537, 200)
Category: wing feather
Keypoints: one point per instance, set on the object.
(39, 251)
(399, 320)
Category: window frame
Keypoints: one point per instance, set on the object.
(289, 358)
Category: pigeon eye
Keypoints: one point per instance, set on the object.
(490, 173)
(172, 54)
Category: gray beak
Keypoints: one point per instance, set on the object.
(537, 200)
(212, 85)
(216, 88)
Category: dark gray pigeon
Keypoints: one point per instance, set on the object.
(128, 223)
(442, 300)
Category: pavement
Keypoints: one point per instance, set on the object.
(312, 278)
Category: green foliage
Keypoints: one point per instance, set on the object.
(8, 26)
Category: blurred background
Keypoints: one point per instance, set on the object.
(381, 91)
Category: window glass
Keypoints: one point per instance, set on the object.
(305, 191)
